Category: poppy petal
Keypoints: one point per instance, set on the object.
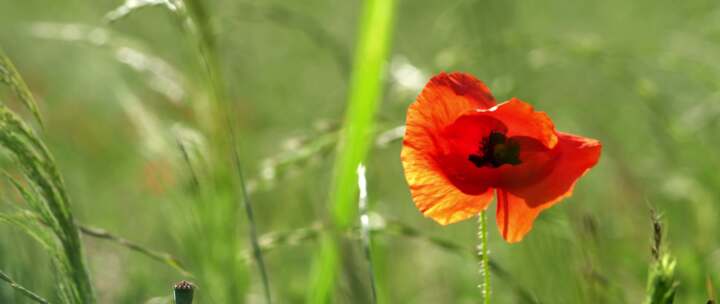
(522, 120)
(443, 100)
(519, 206)
(460, 140)
(434, 195)
(447, 96)
(536, 162)
(514, 217)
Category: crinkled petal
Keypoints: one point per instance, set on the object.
(518, 206)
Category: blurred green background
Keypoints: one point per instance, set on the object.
(119, 99)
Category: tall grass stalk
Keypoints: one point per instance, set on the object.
(45, 194)
(215, 223)
(356, 138)
(252, 231)
(208, 50)
(212, 238)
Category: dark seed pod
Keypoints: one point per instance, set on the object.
(183, 292)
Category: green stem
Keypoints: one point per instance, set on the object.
(483, 252)
(208, 51)
(163, 257)
(26, 292)
(365, 90)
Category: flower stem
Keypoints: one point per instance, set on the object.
(485, 259)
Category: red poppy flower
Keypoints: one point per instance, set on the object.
(460, 148)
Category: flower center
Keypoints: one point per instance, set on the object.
(496, 150)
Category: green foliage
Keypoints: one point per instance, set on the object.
(662, 286)
(51, 221)
(138, 125)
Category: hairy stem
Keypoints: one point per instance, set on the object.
(483, 253)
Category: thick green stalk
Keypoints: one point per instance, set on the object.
(356, 138)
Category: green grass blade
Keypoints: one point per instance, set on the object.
(355, 140)
(207, 47)
(252, 231)
(365, 90)
(252, 227)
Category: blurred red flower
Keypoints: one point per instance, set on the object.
(460, 148)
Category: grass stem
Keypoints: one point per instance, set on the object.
(257, 252)
(28, 293)
(208, 51)
(163, 257)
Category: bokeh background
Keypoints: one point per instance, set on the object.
(122, 100)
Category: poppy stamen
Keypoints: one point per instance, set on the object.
(496, 150)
